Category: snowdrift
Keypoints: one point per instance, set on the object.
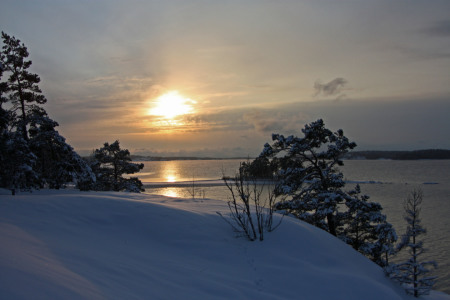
(99, 245)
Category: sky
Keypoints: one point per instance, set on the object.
(217, 78)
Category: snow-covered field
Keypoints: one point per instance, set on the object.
(105, 245)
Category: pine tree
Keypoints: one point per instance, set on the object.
(365, 228)
(32, 153)
(19, 91)
(384, 246)
(110, 163)
(3, 100)
(3, 128)
(57, 162)
(4, 121)
(308, 174)
(22, 86)
(17, 165)
(413, 273)
(16, 159)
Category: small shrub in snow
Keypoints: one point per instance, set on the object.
(251, 205)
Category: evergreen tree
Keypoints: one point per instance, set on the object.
(110, 163)
(308, 174)
(17, 164)
(260, 168)
(384, 246)
(3, 124)
(19, 91)
(3, 100)
(16, 159)
(57, 162)
(32, 153)
(364, 227)
(22, 86)
(413, 273)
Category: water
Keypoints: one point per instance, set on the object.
(393, 181)
(187, 170)
(385, 181)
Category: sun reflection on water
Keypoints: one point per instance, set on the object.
(170, 172)
(171, 192)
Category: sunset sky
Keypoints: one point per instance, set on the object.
(217, 78)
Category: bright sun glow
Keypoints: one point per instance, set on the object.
(171, 178)
(171, 105)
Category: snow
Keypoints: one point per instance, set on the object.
(108, 245)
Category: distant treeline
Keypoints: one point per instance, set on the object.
(400, 155)
(168, 158)
(370, 154)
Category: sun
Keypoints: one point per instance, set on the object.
(171, 105)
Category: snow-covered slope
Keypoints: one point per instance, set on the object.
(92, 245)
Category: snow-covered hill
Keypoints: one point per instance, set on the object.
(91, 245)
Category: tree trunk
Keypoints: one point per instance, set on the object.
(416, 294)
(22, 104)
(116, 175)
(24, 123)
(331, 224)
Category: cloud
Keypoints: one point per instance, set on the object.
(268, 121)
(332, 88)
(422, 54)
(440, 28)
(262, 122)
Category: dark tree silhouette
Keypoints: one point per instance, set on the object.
(110, 163)
(22, 86)
(32, 153)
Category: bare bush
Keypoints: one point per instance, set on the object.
(194, 190)
(251, 205)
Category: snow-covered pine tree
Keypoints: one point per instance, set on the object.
(385, 245)
(413, 273)
(365, 228)
(17, 171)
(32, 153)
(308, 174)
(57, 163)
(110, 163)
(16, 159)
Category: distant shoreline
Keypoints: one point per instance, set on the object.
(169, 158)
(434, 154)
